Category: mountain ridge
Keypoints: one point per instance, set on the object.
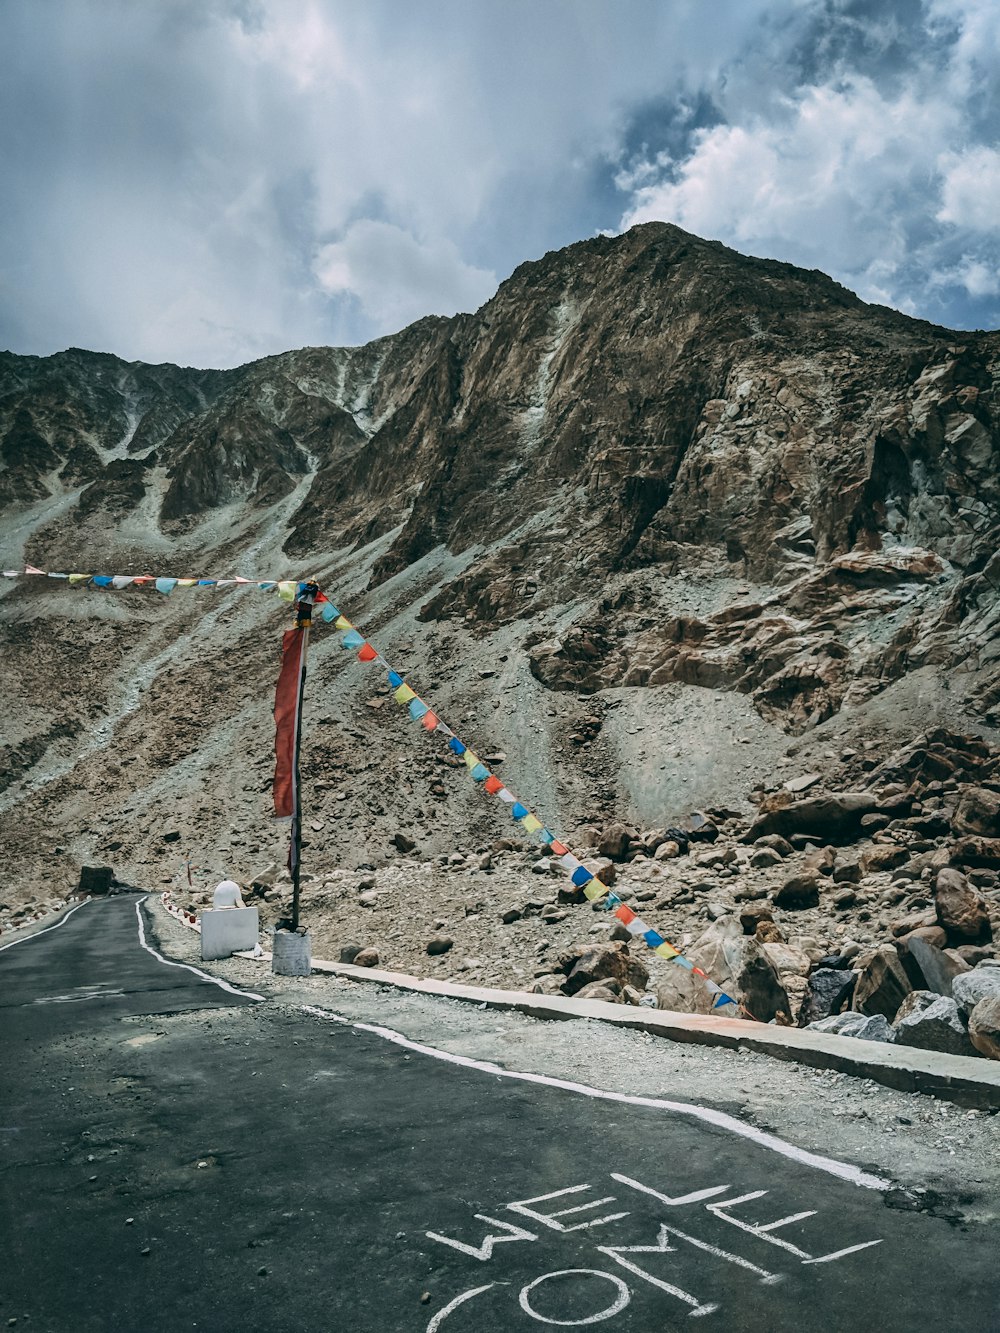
(649, 476)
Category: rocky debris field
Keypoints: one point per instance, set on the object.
(870, 911)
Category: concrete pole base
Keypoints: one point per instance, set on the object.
(291, 953)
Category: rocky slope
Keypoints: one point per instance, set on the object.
(662, 524)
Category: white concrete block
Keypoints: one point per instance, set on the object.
(228, 929)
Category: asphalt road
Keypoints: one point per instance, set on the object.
(177, 1156)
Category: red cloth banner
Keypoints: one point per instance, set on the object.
(287, 699)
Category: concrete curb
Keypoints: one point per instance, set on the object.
(953, 1078)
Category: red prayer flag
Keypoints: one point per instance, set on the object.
(492, 784)
(558, 848)
(367, 653)
(286, 717)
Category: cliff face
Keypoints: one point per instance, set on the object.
(650, 478)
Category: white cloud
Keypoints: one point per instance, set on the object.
(970, 190)
(397, 278)
(844, 177)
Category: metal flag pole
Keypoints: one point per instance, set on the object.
(303, 622)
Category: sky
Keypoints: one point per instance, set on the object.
(209, 181)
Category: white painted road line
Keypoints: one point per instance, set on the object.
(25, 938)
(168, 962)
(843, 1170)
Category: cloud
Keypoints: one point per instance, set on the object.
(890, 184)
(970, 189)
(210, 180)
(398, 279)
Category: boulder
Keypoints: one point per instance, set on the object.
(667, 850)
(600, 962)
(798, 893)
(981, 853)
(835, 817)
(847, 869)
(978, 812)
(961, 910)
(765, 857)
(750, 916)
(916, 1002)
(971, 988)
(821, 860)
(768, 932)
(938, 968)
(864, 1028)
(737, 963)
(549, 984)
(935, 1027)
(615, 841)
(606, 872)
(776, 843)
(350, 951)
(608, 990)
(932, 934)
(366, 958)
(439, 944)
(882, 985)
(402, 843)
(880, 858)
(984, 1027)
(829, 991)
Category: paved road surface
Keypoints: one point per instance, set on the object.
(176, 1156)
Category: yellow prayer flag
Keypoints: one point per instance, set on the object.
(532, 823)
(403, 694)
(79, 578)
(471, 760)
(343, 623)
(594, 890)
(186, 583)
(666, 950)
(287, 589)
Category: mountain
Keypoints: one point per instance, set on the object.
(659, 522)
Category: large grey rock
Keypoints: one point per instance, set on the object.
(978, 812)
(614, 842)
(882, 985)
(961, 909)
(828, 816)
(798, 893)
(608, 990)
(866, 1028)
(938, 1027)
(938, 968)
(734, 961)
(829, 990)
(984, 1027)
(600, 962)
(916, 1002)
(982, 983)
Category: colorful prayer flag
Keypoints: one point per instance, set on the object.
(403, 694)
(518, 811)
(493, 784)
(166, 586)
(417, 709)
(666, 950)
(456, 746)
(480, 773)
(581, 875)
(367, 653)
(532, 824)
